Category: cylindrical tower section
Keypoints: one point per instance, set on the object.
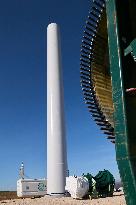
(56, 144)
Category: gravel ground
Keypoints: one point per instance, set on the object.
(117, 199)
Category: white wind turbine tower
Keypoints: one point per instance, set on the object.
(56, 139)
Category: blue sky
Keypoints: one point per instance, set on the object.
(23, 91)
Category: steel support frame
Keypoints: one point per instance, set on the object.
(125, 131)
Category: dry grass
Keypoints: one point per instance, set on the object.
(4, 195)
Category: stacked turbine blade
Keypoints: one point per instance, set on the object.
(94, 69)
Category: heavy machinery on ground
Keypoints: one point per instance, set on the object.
(102, 185)
(92, 183)
(108, 80)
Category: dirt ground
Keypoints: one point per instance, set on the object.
(117, 199)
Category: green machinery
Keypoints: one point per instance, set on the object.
(92, 183)
(102, 185)
(108, 80)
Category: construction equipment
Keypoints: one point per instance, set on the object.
(108, 80)
(104, 183)
(27, 187)
(95, 74)
(31, 187)
(92, 183)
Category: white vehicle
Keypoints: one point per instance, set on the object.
(118, 186)
(31, 187)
